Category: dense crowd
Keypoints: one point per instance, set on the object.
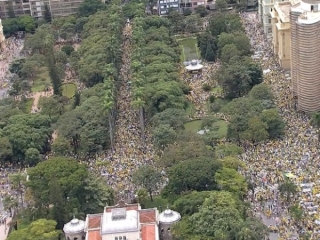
(295, 156)
(199, 96)
(129, 150)
(11, 51)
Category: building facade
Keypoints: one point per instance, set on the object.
(165, 5)
(295, 31)
(36, 8)
(2, 37)
(281, 33)
(123, 222)
(305, 30)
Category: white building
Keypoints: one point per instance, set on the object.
(264, 15)
(123, 222)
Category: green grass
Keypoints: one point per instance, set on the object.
(41, 81)
(193, 126)
(189, 49)
(28, 105)
(157, 201)
(223, 128)
(69, 90)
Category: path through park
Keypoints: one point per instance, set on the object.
(129, 151)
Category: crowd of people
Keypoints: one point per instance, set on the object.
(11, 50)
(294, 157)
(130, 151)
(199, 96)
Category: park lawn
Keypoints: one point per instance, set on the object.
(28, 105)
(69, 90)
(157, 201)
(223, 128)
(189, 49)
(41, 81)
(193, 126)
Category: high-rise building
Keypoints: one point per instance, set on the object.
(295, 30)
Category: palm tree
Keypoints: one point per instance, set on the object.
(315, 121)
(10, 203)
(108, 105)
(287, 189)
(18, 182)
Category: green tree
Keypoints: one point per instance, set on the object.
(175, 118)
(287, 189)
(90, 7)
(41, 229)
(68, 49)
(256, 131)
(18, 182)
(315, 121)
(58, 209)
(142, 196)
(10, 203)
(47, 13)
(230, 180)
(68, 173)
(207, 45)
(32, 156)
(5, 149)
(61, 147)
(189, 204)
(252, 229)
(275, 123)
(27, 23)
(187, 146)
(163, 135)
(201, 11)
(148, 178)
(228, 52)
(193, 174)
(221, 5)
(239, 39)
(228, 149)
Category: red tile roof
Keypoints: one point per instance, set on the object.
(94, 235)
(147, 215)
(148, 232)
(94, 221)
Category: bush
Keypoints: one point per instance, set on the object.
(206, 87)
(187, 12)
(68, 49)
(212, 98)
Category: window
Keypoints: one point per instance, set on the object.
(116, 238)
(124, 238)
(120, 238)
(269, 20)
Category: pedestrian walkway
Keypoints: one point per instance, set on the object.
(4, 229)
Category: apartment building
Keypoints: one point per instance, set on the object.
(18, 7)
(36, 8)
(295, 32)
(165, 5)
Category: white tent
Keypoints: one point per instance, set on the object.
(194, 66)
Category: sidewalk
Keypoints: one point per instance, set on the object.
(4, 229)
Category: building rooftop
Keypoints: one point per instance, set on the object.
(93, 235)
(74, 226)
(94, 221)
(169, 216)
(309, 11)
(283, 10)
(148, 232)
(112, 224)
(147, 215)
